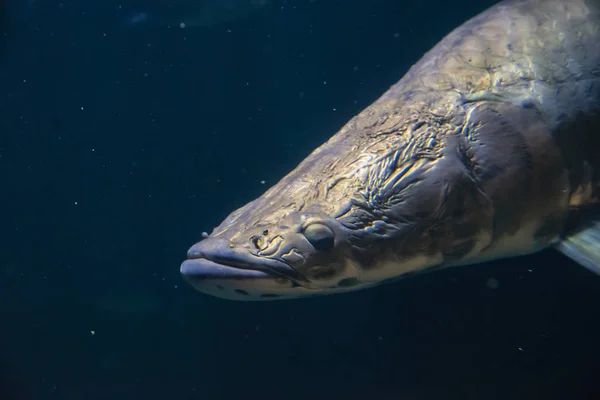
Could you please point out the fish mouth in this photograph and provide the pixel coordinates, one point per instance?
(213, 263)
(203, 268)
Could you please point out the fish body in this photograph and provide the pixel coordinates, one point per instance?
(488, 147)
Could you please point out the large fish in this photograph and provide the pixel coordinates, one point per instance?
(489, 147)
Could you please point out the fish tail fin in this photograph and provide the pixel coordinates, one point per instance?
(583, 246)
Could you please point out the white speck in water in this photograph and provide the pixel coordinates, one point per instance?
(493, 283)
(92, 332)
(521, 349)
(262, 182)
(182, 25)
(75, 203)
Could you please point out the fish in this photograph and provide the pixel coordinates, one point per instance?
(487, 148)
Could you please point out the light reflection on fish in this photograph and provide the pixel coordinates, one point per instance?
(489, 147)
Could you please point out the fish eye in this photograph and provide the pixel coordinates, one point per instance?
(319, 236)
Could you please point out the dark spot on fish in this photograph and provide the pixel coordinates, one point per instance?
(284, 227)
(266, 232)
(220, 287)
(348, 282)
(527, 103)
(322, 271)
(270, 295)
(509, 46)
(240, 291)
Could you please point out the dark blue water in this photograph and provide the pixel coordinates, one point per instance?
(121, 141)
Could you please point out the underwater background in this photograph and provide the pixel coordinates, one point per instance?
(127, 128)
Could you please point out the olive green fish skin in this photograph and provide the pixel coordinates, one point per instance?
(481, 151)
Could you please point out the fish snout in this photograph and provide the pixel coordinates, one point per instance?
(215, 266)
(208, 247)
(217, 256)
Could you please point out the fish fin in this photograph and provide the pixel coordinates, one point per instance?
(583, 246)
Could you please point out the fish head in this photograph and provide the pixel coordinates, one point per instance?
(345, 220)
(272, 250)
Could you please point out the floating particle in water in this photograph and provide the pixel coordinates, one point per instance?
(492, 283)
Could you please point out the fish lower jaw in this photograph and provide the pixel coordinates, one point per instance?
(236, 282)
(240, 284)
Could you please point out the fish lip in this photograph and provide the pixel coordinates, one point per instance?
(236, 266)
(203, 268)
